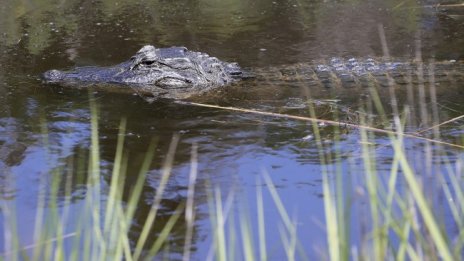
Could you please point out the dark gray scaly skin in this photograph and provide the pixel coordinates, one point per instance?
(351, 73)
(179, 73)
(163, 72)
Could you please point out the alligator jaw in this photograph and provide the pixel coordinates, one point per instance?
(85, 75)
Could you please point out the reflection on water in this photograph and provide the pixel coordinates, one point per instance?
(44, 128)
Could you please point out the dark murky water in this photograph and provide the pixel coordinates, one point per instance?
(234, 148)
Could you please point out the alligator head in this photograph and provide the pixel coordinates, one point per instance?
(155, 69)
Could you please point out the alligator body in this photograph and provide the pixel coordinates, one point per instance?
(177, 72)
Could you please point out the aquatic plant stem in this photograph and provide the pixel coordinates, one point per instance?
(158, 197)
(424, 208)
(261, 222)
(330, 206)
(190, 207)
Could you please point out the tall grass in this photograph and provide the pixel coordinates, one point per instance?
(405, 223)
(97, 229)
(402, 221)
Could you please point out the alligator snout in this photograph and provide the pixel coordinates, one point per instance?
(52, 76)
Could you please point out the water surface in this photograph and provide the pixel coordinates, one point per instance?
(234, 148)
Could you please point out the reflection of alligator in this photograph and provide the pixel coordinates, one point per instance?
(178, 73)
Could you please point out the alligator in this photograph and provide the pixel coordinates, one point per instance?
(174, 72)
(178, 73)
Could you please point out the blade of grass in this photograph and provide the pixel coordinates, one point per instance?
(94, 189)
(404, 242)
(343, 217)
(115, 177)
(137, 189)
(286, 243)
(189, 212)
(261, 221)
(420, 200)
(373, 185)
(247, 237)
(214, 219)
(415, 188)
(283, 213)
(58, 251)
(39, 216)
(231, 247)
(10, 230)
(277, 200)
(117, 233)
(330, 211)
(219, 231)
(167, 166)
(163, 236)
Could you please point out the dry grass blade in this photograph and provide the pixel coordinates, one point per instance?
(441, 124)
(316, 120)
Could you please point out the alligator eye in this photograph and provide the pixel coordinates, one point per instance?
(148, 62)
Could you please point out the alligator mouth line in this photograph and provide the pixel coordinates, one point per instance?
(173, 82)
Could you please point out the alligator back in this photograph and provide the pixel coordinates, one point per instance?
(350, 73)
(345, 80)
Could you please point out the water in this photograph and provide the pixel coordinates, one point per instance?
(234, 148)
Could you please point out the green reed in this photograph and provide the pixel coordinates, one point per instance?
(99, 230)
(402, 223)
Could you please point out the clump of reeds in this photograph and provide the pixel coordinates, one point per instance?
(403, 216)
(99, 227)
